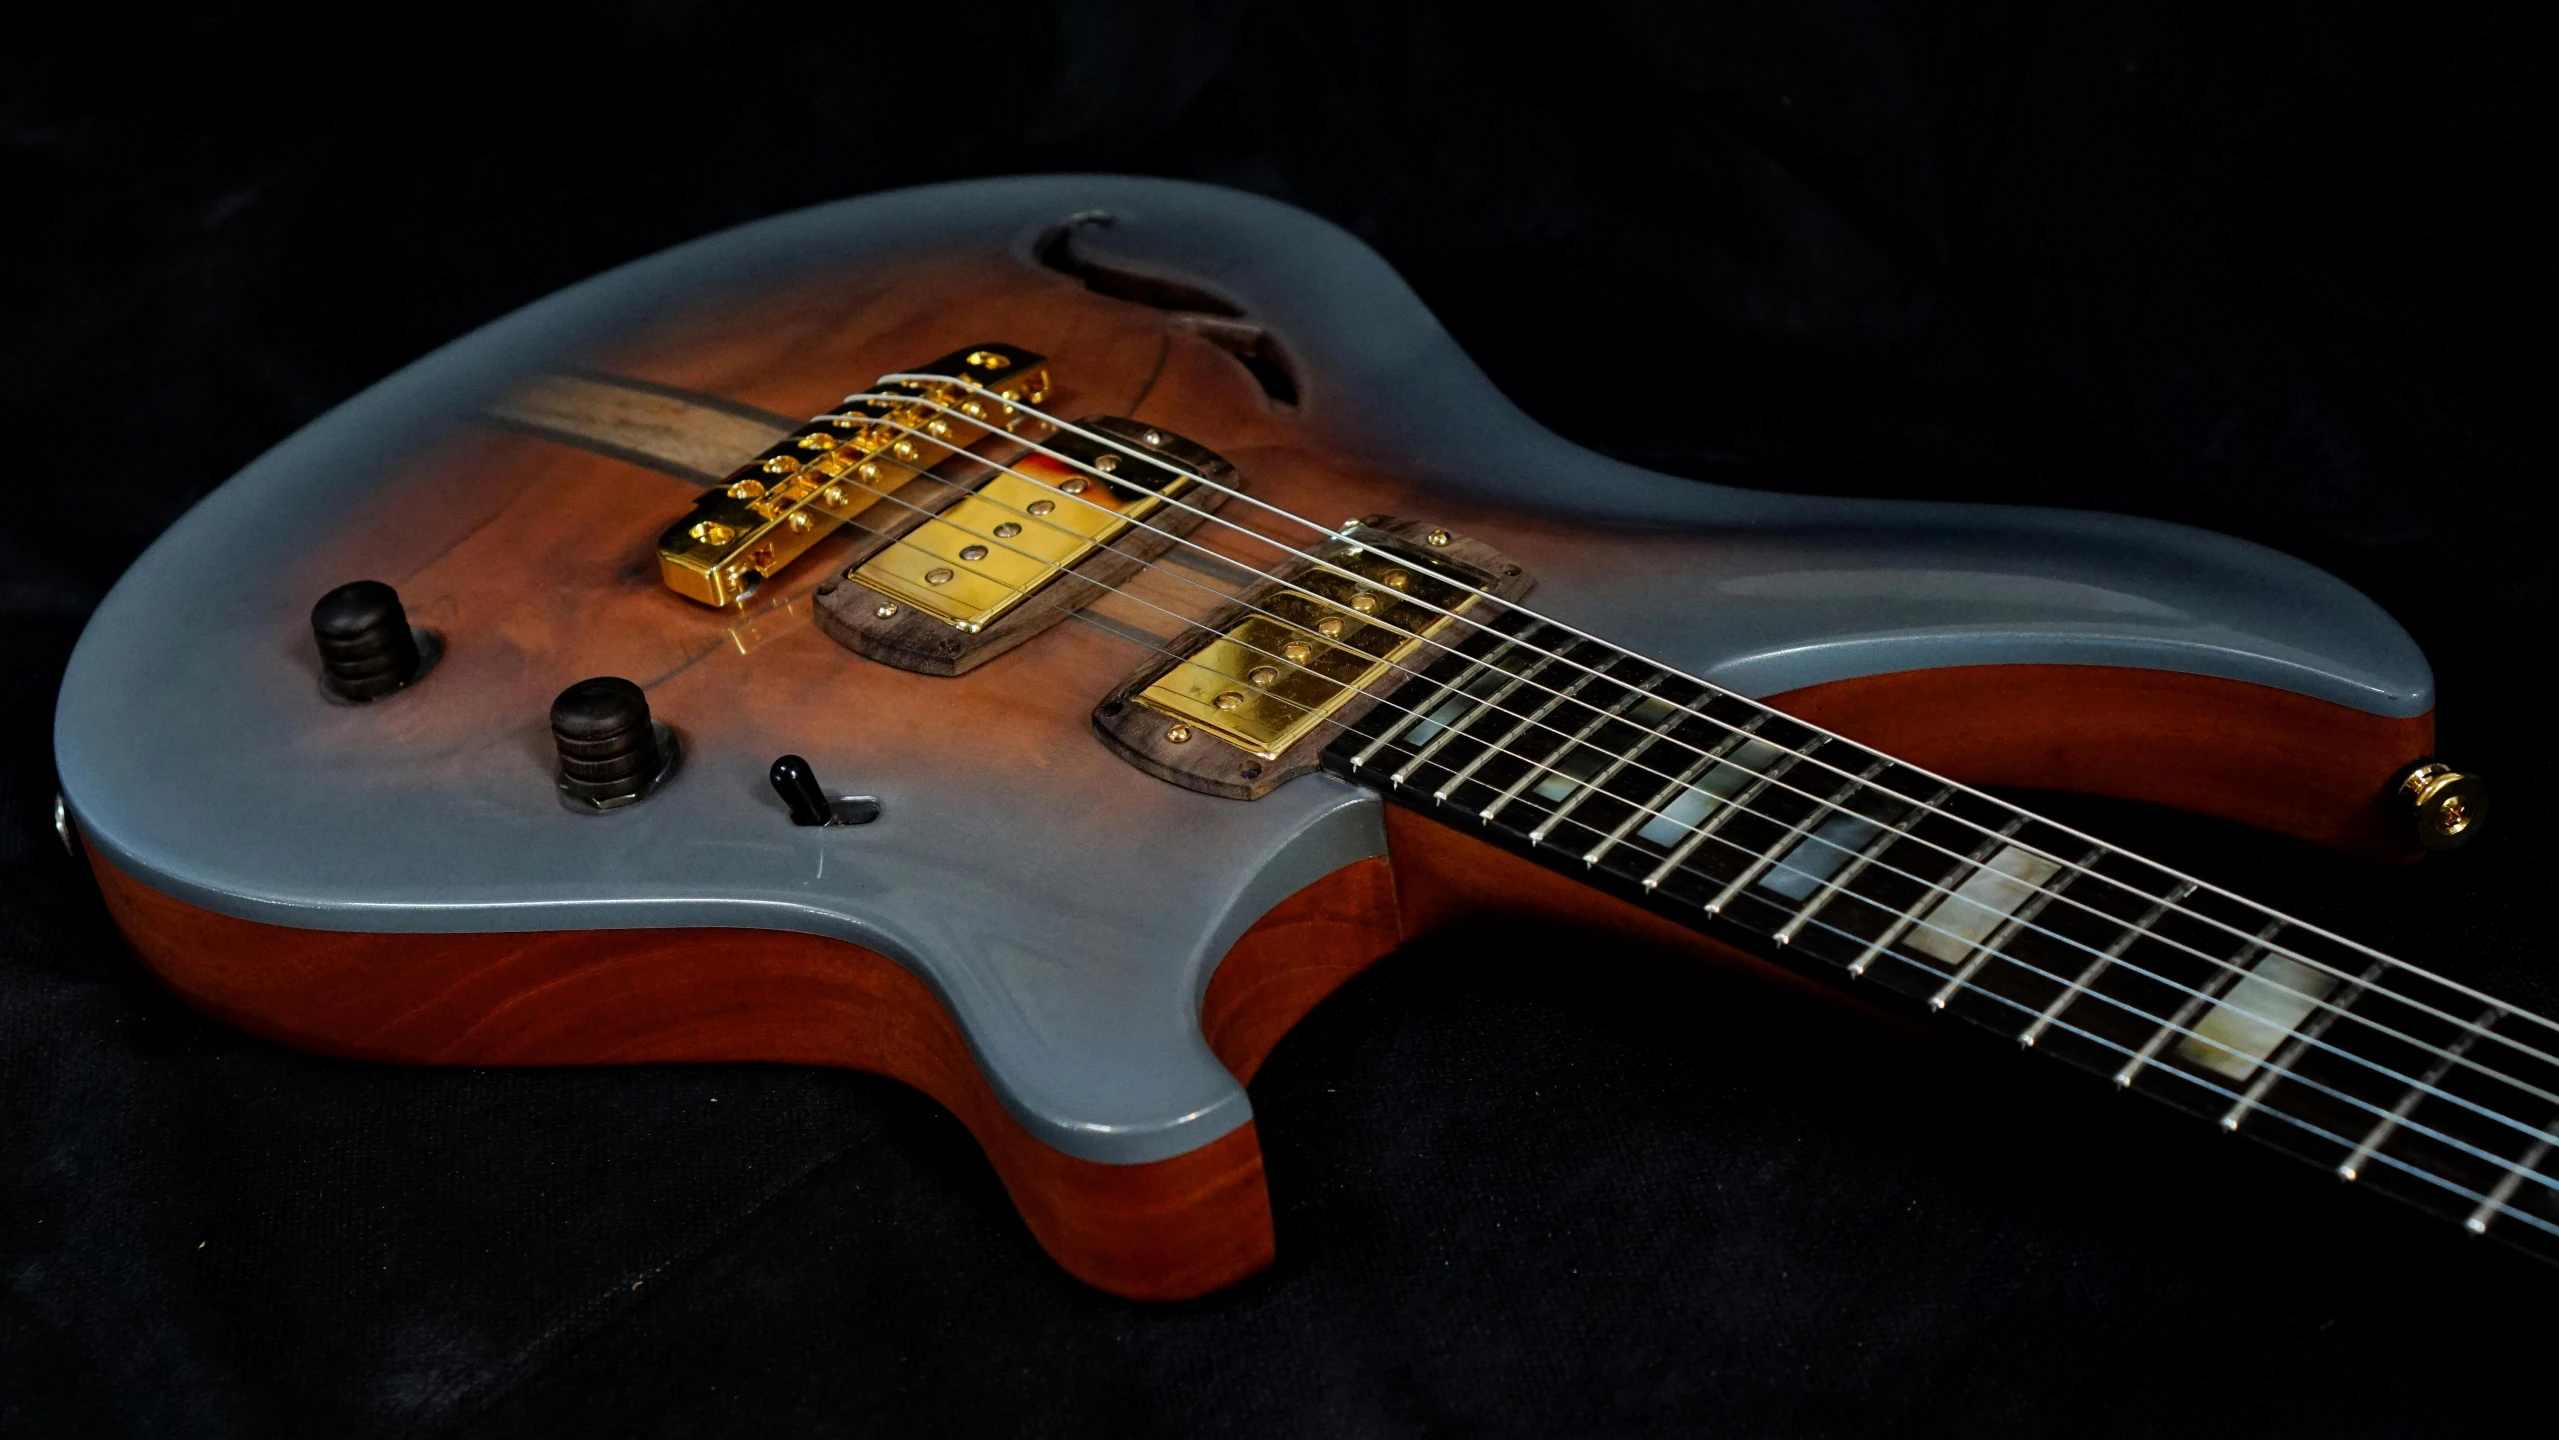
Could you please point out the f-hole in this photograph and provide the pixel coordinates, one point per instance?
(1202, 312)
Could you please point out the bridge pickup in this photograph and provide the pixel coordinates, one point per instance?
(1252, 698)
(840, 464)
(1028, 536)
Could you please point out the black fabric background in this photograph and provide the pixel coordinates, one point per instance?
(2281, 270)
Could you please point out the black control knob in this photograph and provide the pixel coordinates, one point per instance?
(366, 647)
(611, 752)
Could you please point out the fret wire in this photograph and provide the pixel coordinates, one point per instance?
(2202, 995)
(2112, 953)
(1068, 427)
(1746, 731)
(1573, 742)
(1739, 804)
(1598, 783)
(1866, 855)
(1503, 745)
(2293, 1049)
(1989, 948)
(1459, 726)
(1910, 916)
(2320, 966)
(1413, 716)
(2179, 1024)
(1787, 841)
(2503, 1193)
(2389, 1124)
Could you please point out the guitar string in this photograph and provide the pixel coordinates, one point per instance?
(2332, 971)
(2269, 1105)
(2411, 1083)
(2318, 1003)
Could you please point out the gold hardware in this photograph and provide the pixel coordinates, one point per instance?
(886, 609)
(2444, 805)
(998, 580)
(1396, 579)
(1438, 539)
(1179, 734)
(1154, 437)
(777, 505)
(1200, 690)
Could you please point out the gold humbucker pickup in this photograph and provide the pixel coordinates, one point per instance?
(1303, 654)
(1028, 524)
(826, 473)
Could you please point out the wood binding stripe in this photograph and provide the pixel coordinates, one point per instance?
(1167, 1230)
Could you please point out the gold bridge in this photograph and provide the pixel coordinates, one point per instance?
(827, 472)
(1320, 637)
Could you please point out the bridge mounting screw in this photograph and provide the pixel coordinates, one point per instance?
(886, 609)
(1179, 734)
(1438, 539)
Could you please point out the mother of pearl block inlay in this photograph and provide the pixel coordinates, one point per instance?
(2267, 1004)
(1967, 916)
(1720, 784)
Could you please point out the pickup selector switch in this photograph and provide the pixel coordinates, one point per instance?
(612, 752)
(367, 649)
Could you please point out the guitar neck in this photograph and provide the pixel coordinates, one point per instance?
(1805, 848)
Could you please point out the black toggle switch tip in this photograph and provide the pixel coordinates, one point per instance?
(797, 784)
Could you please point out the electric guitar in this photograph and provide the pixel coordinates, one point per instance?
(1036, 638)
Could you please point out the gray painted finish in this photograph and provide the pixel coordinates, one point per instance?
(1079, 993)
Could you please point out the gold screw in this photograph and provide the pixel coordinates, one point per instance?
(937, 426)
(972, 553)
(712, 532)
(1072, 485)
(799, 522)
(1329, 627)
(973, 410)
(1231, 700)
(1438, 538)
(904, 449)
(781, 465)
(1364, 603)
(870, 470)
(1107, 464)
(747, 490)
(1007, 530)
(1041, 507)
(834, 495)
(1264, 676)
(817, 440)
(1297, 652)
(1179, 734)
(988, 360)
(938, 575)
(885, 609)
(1396, 579)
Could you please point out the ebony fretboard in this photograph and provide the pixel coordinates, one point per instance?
(1765, 834)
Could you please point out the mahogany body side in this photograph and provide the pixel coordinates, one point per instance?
(1167, 1230)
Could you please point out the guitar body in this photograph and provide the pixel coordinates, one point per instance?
(1083, 962)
